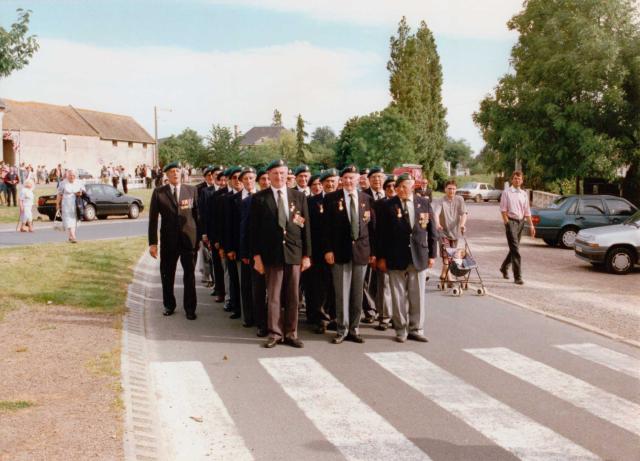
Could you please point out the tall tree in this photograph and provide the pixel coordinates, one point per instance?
(223, 146)
(300, 137)
(571, 108)
(186, 147)
(16, 47)
(416, 90)
(324, 135)
(457, 151)
(277, 118)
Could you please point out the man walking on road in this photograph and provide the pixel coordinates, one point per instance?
(514, 207)
(179, 237)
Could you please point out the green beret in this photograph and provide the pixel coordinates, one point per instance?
(364, 171)
(328, 174)
(208, 169)
(170, 165)
(276, 164)
(261, 171)
(245, 170)
(302, 169)
(225, 173)
(404, 177)
(349, 169)
(312, 179)
(375, 169)
(233, 170)
(216, 168)
(390, 178)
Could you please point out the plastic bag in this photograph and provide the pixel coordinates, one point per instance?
(58, 225)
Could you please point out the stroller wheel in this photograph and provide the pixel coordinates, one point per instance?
(481, 291)
(456, 292)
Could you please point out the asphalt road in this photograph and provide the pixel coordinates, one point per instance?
(495, 382)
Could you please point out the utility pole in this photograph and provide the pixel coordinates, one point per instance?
(155, 130)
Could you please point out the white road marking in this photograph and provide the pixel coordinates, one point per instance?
(607, 406)
(605, 357)
(348, 423)
(193, 419)
(508, 428)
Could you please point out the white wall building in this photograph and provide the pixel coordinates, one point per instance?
(45, 134)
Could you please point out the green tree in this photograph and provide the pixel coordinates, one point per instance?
(16, 47)
(223, 146)
(416, 91)
(458, 152)
(186, 147)
(571, 108)
(324, 135)
(300, 137)
(277, 118)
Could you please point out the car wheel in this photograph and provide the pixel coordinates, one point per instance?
(478, 198)
(134, 211)
(620, 260)
(550, 242)
(568, 237)
(499, 197)
(52, 217)
(89, 213)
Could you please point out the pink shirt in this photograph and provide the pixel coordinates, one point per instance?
(515, 202)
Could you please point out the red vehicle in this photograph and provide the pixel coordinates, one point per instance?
(414, 170)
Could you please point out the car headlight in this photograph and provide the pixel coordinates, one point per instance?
(589, 239)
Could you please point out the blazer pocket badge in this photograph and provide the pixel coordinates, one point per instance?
(366, 216)
(298, 220)
(186, 204)
(399, 213)
(424, 220)
(341, 205)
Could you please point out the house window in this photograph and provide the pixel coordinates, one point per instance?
(144, 145)
(114, 143)
(130, 144)
(64, 144)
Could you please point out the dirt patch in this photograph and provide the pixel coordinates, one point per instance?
(65, 362)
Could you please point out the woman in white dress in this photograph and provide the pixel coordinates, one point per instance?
(26, 206)
(68, 190)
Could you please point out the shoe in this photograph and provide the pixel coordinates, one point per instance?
(235, 316)
(294, 342)
(192, 316)
(271, 342)
(519, 282)
(418, 337)
(332, 326)
(337, 340)
(219, 298)
(247, 325)
(228, 308)
(355, 338)
(320, 330)
(262, 333)
(368, 320)
(400, 339)
(505, 275)
(382, 327)
(168, 311)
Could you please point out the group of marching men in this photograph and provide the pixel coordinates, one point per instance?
(352, 245)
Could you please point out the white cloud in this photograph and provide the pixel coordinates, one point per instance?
(457, 18)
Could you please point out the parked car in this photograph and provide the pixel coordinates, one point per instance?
(104, 201)
(616, 247)
(560, 222)
(479, 191)
(84, 174)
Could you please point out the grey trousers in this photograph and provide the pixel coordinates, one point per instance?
(348, 282)
(227, 295)
(283, 288)
(384, 303)
(409, 297)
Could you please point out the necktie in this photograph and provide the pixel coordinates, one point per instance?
(355, 229)
(175, 193)
(282, 213)
(406, 212)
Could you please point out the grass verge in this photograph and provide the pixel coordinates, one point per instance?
(14, 405)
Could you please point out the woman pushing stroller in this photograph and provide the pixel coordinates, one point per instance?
(451, 219)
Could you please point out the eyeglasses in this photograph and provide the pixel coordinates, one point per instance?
(389, 186)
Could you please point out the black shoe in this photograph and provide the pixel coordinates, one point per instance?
(168, 311)
(505, 274)
(337, 340)
(519, 282)
(262, 333)
(382, 327)
(235, 316)
(417, 337)
(271, 342)
(192, 316)
(332, 325)
(228, 308)
(368, 320)
(355, 338)
(247, 325)
(294, 342)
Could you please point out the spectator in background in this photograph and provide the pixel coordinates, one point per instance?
(11, 183)
(26, 206)
(104, 174)
(425, 191)
(124, 177)
(115, 176)
(4, 169)
(147, 176)
(68, 190)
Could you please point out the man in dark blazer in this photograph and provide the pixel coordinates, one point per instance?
(348, 235)
(179, 237)
(408, 249)
(281, 248)
(228, 234)
(213, 224)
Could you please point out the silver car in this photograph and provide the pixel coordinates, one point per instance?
(616, 247)
(479, 191)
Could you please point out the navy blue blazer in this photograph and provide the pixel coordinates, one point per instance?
(231, 223)
(400, 244)
(245, 223)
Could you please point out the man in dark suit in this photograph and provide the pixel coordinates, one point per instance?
(281, 248)
(425, 191)
(348, 234)
(408, 248)
(228, 241)
(203, 189)
(384, 303)
(179, 237)
(302, 173)
(213, 222)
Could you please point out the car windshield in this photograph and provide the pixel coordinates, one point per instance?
(470, 185)
(557, 203)
(634, 218)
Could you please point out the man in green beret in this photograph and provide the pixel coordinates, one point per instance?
(302, 173)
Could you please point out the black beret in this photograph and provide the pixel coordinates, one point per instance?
(390, 178)
(375, 169)
(313, 178)
(349, 169)
(365, 171)
(328, 174)
(276, 164)
(302, 169)
(170, 165)
(404, 177)
(261, 171)
(245, 170)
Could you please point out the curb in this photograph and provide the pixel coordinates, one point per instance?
(570, 321)
(141, 439)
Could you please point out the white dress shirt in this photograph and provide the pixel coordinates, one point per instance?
(347, 202)
(177, 188)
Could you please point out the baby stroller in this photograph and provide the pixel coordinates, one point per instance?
(461, 264)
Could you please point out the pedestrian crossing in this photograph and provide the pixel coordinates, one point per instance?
(359, 432)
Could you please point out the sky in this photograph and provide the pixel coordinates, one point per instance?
(232, 62)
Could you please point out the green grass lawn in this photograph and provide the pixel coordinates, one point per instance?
(90, 275)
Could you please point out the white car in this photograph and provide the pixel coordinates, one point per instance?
(617, 247)
(479, 191)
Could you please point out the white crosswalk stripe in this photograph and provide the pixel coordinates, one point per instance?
(348, 423)
(605, 357)
(607, 406)
(508, 428)
(193, 419)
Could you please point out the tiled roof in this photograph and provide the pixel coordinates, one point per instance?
(259, 134)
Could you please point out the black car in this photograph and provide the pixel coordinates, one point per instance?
(83, 174)
(104, 201)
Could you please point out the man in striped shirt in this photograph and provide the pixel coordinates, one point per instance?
(514, 207)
